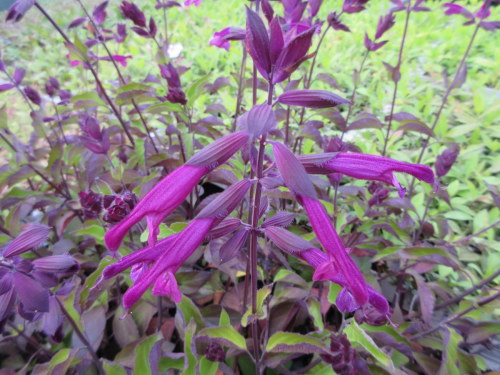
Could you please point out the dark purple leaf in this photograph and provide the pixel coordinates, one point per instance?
(334, 21)
(152, 27)
(233, 246)
(416, 126)
(6, 86)
(365, 123)
(445, 161)
(394, 73)
(277, 41)
(76, 22)
(18, 75)
(280, 219)
(311, 99)
(133, 13)
(259, 120)
(99, 13)
(32, 295)
(490, 25)
(384, 24)
(460, 78)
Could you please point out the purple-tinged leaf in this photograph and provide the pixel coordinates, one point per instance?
(258, 44)
(140, 31)
(6, 87)
(226, 202)
(365, 123)
(459, 78)
(152, 27)
(5, 281)
(225, 227)
(7, 301)
(99, 14)
(370, 45)
(218, 152)
(446, 159)
(258, 121)
(354, 6)
(233, 246)
(416, 126)
(402, 116)
(267, 9)
(33, 236)
(18, 75)
(336, 117)
(31, 293)
(280, 219)
(426, 297)
(452, 8)
(32, 95)
(394, 73)
(311, 99)
(76, 22)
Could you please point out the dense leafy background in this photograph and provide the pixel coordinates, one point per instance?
(415, 274)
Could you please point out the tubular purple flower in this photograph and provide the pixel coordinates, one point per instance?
(325, 269)
(311, 99)
(174, 188)
(31, 237)
(221, 38)
(366, 167)
(297, 181)
(186, 242)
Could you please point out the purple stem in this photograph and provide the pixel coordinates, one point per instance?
(240, 87)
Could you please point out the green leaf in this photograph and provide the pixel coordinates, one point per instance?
(288, 342)
(262, 294)
(165, 232)
(87, 99)
(190, 349)
(141, 364)
(333, 292)
(95, 231)
(190, 312)
(111, 368)
(224, 319)
(208, 367)
(225, 335)
(91, 280)
(314, 309)
(196, 89)
(164, 108)
(356, 334)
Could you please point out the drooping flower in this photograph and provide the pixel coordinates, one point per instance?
(174, 188)
(170, 253)
(325, 269)
(221, 38)
(296, 179)
(366, 167)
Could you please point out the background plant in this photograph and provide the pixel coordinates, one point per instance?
(432, 255)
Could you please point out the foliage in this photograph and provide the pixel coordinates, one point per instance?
(116, 113)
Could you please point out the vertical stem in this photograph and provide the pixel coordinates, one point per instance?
(240, 87)
(398, 66)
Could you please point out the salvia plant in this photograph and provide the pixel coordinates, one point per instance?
(148, 229)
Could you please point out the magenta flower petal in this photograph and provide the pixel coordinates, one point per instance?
(33, 236)
(221, 38)
(174, 188)
(366, 167)
(166, 285)
(186, 242)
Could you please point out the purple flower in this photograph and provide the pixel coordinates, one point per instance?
(33, 95)
(91, 203)
(170, 253)
(296, 179)
(174, 188)
(31, 237)
(221, 38)
(354, 6)
(133, 13)
(297, 246)
(17, 11)
(175, 93)
(196, 3)
(366, 167)
(120, 59)
(311, 99)
(334, 21)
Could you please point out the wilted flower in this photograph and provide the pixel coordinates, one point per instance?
(221, 38)
(17, 11)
